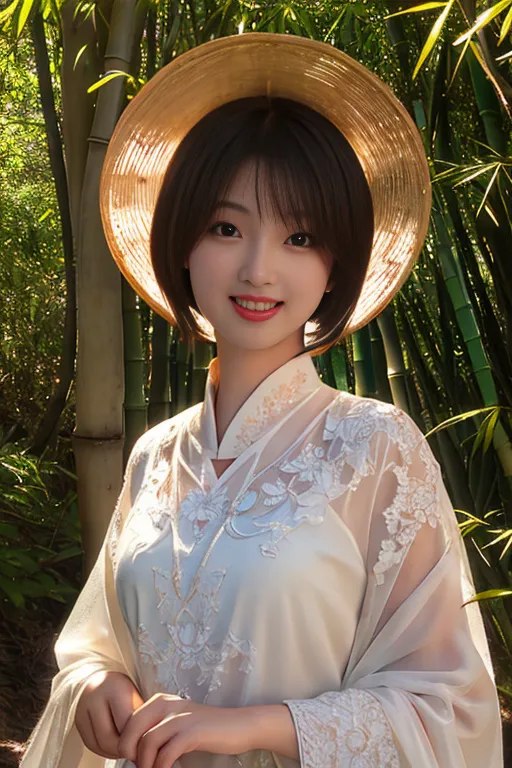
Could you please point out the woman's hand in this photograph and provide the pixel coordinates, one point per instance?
(166, 727)
(105, 706)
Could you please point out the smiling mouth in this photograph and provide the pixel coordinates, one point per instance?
(257, 306)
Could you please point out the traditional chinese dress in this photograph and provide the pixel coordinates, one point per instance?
(324, 569)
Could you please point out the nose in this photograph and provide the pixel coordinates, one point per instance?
(258, 263)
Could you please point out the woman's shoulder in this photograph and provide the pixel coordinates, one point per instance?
(356, 418)
(163, 433)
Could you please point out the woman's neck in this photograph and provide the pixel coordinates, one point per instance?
(242, 370)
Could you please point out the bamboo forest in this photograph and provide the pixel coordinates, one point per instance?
(86, 366)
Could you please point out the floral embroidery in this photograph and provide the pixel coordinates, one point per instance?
(347, 728)
(188, 644)
(154, 503)
(272, 406)
(416, 502)
(314, 477)
(200, 506)
(284, 507)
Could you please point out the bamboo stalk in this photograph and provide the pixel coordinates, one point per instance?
(98, 437)
(179, 395)
(396, 370)
(363, 363)
(66, 368)
(382, 389)
(201, 357)
(135, 407)
(159, 407)
(339, 366)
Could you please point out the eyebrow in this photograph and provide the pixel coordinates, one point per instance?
(241, 208)
(232, 204)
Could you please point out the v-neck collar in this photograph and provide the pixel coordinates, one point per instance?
(269, 403)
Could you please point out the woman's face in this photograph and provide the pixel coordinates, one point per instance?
(257, 282)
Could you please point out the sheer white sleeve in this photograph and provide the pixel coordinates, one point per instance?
(418, 689)
(94, 638)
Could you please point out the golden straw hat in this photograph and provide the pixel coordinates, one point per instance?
(358, 103)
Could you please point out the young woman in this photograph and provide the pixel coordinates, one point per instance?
(282, 580)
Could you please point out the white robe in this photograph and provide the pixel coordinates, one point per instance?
(324, 569)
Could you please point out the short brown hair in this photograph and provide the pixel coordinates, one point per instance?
(310, 166)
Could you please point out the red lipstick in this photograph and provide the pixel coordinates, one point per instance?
(256, 315)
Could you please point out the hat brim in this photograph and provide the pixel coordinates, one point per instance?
(358, 103)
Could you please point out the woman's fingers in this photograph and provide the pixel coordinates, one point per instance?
(124, 706)
(162, 745)
(173, 750)
(84, 727)
(104, 728)
(150, 714)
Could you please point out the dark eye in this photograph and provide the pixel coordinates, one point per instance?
(301, 236)
(227, 227)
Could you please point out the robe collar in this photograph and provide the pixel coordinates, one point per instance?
(271, 401)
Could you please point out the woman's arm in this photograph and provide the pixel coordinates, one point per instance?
(418, 689)
(93, 639)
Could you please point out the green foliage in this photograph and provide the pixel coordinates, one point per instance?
(40, 546)
(31, 266)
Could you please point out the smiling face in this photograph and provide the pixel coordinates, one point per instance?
(308, 177)
(257, 281)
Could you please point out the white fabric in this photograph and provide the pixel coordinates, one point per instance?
(324, 569)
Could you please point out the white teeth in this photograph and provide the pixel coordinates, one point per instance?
(259, 306)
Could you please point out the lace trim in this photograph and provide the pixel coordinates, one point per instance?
(273, 405)
(347, 728)
(416, 503)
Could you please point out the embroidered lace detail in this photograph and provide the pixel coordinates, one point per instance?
(303, 486)
(416, 503)
(272, 406)
(283, 505)
(124, 503)
(347, 728)
(200, 506)
(189, 643)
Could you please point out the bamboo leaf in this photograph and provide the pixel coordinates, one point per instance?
(480, 436)
(335, 24)
(489, 211)
(24, 13)
(416, 9)
(479, 172)
(472, 517)
(489, 187)
(107, 78)
(307, 23)
(45, 214)
(503, 535)
(506, 26)
(460, 417)
(484, 18)
(505, 56)
(486, 147)
(433, 37)
(459, 62)
(479, 58)
(82, 49)
(489, 594)
(489, 432)
(7, 13)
